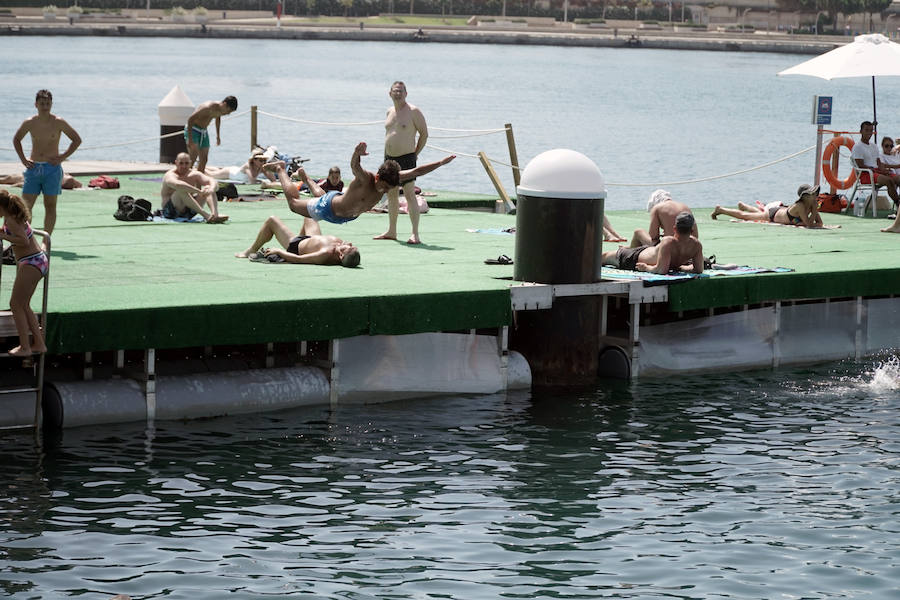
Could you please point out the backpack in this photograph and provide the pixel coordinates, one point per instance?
(832, 203)
(133, 210)
(104, 182)
(225, 192)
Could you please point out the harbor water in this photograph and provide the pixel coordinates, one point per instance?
(750, 486)
(757, 485)
(644, 117)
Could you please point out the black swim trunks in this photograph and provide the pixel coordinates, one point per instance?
(407, 161)
(627, 258)
(294, 245)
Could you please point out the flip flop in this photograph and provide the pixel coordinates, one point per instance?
(500, 260)
(259, 256)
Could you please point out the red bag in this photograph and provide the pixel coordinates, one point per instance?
(832, 203)
(104, 182)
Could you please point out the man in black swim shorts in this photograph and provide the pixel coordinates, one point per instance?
(405, 135)
(309, 247)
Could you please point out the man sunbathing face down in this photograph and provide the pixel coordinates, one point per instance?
(363, 192)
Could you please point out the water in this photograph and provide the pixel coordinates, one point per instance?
(644, 116)
(758, 485)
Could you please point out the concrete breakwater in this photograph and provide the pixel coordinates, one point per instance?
(605, 38)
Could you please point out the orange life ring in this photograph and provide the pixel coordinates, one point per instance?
(831, 176)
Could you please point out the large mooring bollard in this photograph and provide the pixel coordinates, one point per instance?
(559, 235)
(174, 111)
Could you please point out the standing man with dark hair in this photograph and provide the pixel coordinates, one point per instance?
(404, 122)
(43, 170)
(196, 135)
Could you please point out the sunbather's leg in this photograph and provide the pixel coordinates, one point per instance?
(640, 238)
(181, 200)
(310, 227)
(745, 215)
(272, 226)
(895, 226)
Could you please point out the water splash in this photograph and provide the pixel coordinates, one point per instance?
(886, 376)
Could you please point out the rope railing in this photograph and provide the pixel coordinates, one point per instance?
(714, 177)
(142, 140)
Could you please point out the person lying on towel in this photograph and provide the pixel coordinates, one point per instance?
(679, 252)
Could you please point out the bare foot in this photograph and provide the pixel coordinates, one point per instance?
(38, 348)
(745, 206)
(387, 235)
(243, 254)
(19, 351)
(892, 229)
(217, 219)
(413, 240)
(716, 212)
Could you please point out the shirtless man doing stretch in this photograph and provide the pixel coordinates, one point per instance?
(360, 195)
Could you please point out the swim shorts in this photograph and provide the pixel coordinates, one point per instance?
(407, 161)
(43, 177)
(169, 212)
(38, 260)
(320, 209)
(294, 245)
(198, 135)
(627, 258)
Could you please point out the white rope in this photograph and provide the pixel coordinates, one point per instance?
(433, 147)
(702, 179)
(142, 140)
(284, 118)
(447, 137)
(480, 131)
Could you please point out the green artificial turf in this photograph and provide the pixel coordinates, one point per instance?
(117, 285)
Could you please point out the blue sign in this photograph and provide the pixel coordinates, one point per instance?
(822, 110)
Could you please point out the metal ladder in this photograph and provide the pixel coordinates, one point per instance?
(8, 328)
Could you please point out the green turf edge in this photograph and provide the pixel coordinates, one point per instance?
(752, 289)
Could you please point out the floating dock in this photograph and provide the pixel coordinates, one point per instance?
(160, 320)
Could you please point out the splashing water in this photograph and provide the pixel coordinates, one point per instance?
(886, 376)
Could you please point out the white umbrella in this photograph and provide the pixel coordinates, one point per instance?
(871, 55)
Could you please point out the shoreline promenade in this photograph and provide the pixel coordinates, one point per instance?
(615, 34)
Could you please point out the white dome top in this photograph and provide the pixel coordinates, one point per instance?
(562, 173)
(175, 108)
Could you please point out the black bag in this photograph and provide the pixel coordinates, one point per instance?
(134, 210)
(226, 191)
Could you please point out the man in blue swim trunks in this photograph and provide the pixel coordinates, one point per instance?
(196, 135)
(360, 195)
(43, 170)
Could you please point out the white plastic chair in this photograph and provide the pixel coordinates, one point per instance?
(872, 199)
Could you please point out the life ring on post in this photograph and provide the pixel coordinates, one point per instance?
(831, 176)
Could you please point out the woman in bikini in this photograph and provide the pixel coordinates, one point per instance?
(31, 265)
(802, 213)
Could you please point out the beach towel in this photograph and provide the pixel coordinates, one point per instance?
(650, 279)
(162, 219)
(784, 224)
(504, 231)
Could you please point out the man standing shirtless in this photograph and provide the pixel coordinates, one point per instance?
(195, 132)
(43, 171)
(403, 122)
(663, 212)
(185, 191)
(360, 195)
(681, 252)
(309, 247)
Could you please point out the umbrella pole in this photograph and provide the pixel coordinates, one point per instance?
(874, 111)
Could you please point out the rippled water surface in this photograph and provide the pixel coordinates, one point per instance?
(758, 485)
